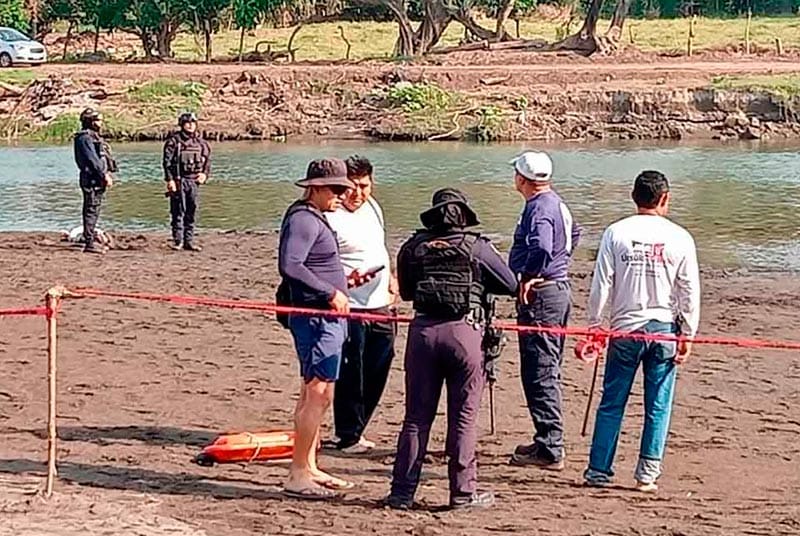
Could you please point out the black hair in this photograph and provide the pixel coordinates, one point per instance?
(648, 188)
(358, 166)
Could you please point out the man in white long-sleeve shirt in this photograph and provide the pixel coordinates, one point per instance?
(647, 272)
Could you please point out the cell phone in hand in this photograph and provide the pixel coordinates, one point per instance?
(373, 271)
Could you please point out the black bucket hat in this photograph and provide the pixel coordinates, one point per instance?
(446, 196)
(325, 172)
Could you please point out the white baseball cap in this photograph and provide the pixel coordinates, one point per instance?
(534, 166)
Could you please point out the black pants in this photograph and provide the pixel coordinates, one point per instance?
(183, 209)
(92, 200)
(440, 353)
(541, 356)
(366, 359)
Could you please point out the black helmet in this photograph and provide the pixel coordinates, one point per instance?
(187, 117)
(88, 116)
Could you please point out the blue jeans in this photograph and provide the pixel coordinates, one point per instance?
(624, 356)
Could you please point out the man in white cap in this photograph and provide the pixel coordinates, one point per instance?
(544, 240)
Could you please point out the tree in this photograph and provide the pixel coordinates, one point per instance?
(614, 32)
(248, 13)
(14, 14)
(155, 22)
(205, 19)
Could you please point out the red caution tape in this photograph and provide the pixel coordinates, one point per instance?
(28, 311)
(358, 315)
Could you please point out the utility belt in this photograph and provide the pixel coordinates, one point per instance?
(475, 317)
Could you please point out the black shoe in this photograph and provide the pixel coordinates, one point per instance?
(177, 246)
(523, 456)
(188, 246)
(479, 499)
(98, 250)
(525, 450)
(398, 503)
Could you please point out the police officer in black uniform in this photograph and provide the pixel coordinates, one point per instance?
(186, 166)
(94, 160)
(448, 272)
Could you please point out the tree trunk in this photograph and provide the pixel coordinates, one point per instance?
(147, 43)
(584, 42)
(68, 38)
(502, 17)
(433, 26)
(404, 46)
(241, 44)
(96, 33)
(463, 16)
(614, 32)
(207, 33)
(164, 37)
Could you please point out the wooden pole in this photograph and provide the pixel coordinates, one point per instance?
(52, 300)
(591, 396)
(690, 42)
(779, 46)
(747, 31)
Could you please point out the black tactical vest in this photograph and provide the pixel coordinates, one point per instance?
(449, 278)
(190, 157)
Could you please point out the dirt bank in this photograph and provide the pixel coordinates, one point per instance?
(470, 97)
(144, 385)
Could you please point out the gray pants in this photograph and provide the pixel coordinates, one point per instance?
(541, 355)
(440, 352)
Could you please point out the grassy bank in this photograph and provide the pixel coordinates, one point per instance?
(787, 86)
(154, 105)
(376, 40)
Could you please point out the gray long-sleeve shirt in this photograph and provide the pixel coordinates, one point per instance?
(308, 257)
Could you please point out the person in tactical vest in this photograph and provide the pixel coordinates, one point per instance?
(187, 163)
(94, 160)
(448, 272)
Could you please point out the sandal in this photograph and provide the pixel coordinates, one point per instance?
(311, 494)
(336, 484)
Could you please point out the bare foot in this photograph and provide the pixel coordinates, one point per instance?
(329, 481)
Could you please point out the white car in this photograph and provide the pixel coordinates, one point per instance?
(16, 47)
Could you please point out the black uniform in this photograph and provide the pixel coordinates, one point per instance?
(447, 272)
(94, 160)
(186, 156)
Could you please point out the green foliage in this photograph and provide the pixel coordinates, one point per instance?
(14, 14)
(489, 124)
(19, 77)
(60, 129)
(185, 95)
(417, 97)
(786, 86)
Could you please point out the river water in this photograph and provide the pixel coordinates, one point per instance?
(740, 201)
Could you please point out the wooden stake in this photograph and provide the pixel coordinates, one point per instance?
(591, 396)
(779, 46)
(690, 42)
(52, 300)
(747, 31)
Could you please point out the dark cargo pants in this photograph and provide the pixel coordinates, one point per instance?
(440, 352)
(541, 356)
(366, 360)
(92, 200)
(183, 208)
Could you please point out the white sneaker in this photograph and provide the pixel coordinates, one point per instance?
(646, 487)
(362, 447)
(366, 442)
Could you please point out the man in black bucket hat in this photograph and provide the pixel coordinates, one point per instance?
(309, 263)
(447, 272)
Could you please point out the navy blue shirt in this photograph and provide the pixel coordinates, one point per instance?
(544, 239)
(308, 258)
(89, 158)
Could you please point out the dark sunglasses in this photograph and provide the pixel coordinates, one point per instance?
(338, 190)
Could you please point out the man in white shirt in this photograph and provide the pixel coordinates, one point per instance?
(369, 349)
(647, 272)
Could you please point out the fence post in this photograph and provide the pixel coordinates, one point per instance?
(52, 301)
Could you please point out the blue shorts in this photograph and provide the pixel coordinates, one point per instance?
(319, 344)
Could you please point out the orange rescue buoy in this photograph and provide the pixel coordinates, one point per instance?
(247, 447)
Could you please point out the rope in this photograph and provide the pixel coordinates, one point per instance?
(252, 305)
